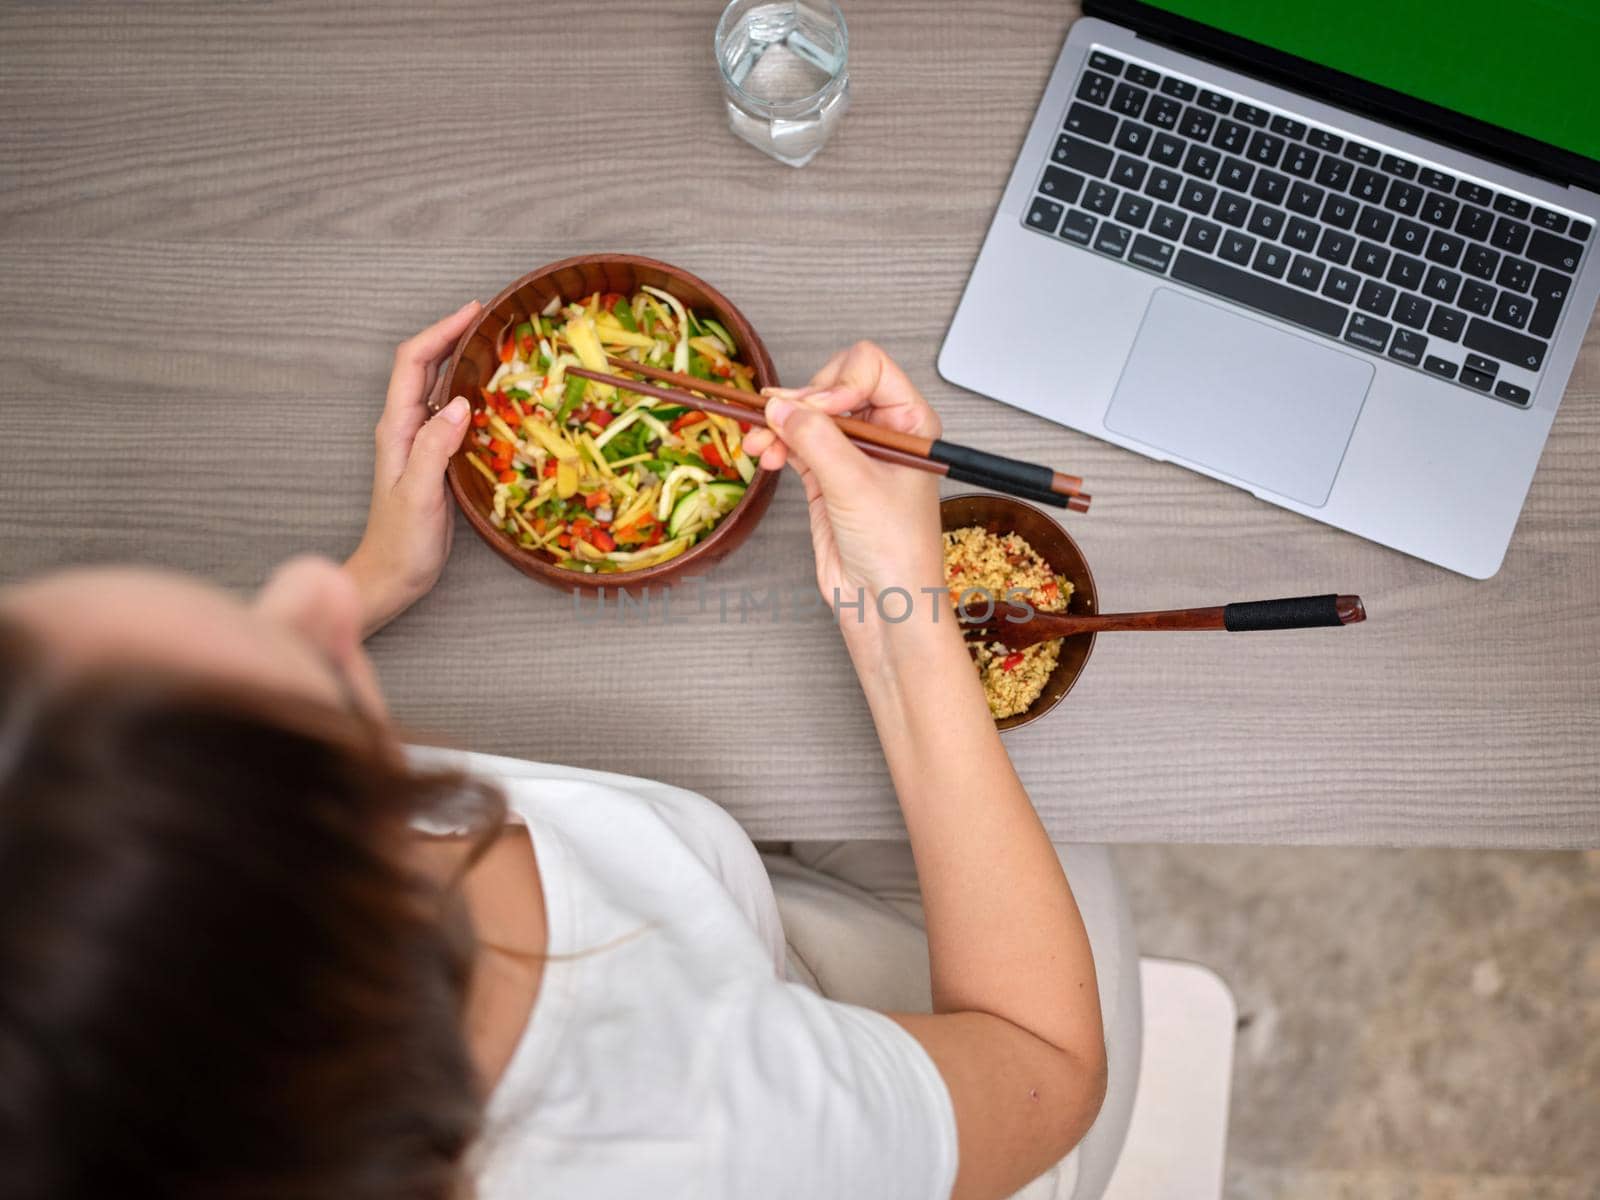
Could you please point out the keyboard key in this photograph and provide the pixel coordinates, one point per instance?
(1265, 148)
(1095, 87)
(1368, 332)
(1479, 363)
(1474, 222)
(1504, 344)
(1266, 221)
(1444, 248)
(1084, 156)
(1065, 186)
(1439, 366)
(1334, 172)
(1129, 171)
(1339, 211)
(1408, 347)
(1276, 299)
(1235, 173)
(1581, 230)
(1411, 311)
(1270, 186)
(1044, 214)
(1342, 285)
(1129, 100)
(1167, 222)
(1374, 223)
(1237, 247)
(1305, 198)
(1511, 236)
(1362, 153)
(1112, 239)
(1368, 186)
(1402, 167)
(1203, 235)
(1474, 193)
(1480, 261)
(1101, 61)
(1436, 181)
(1164, 112)
(1336, 247)
(1250, 114)
(1196, 196)
(1511, 392)
(1100, 198)
(1300, 234)
(1095, 123)
(1143, 76)
(1323, 140)
(1439, 210)
(1515, 273)
(1549, 294)
(1167, 149)
(1375, 298)
(1513, 310)
(1447, 323)
(1305, 272)
(1078, 227)
(1476, 379)
(1147, 252)
(1407, 272)
(1301, 161)
(1180, 88)
(1231, 137)
(1133, 209)
(1197, 123)
(1232, 210)
(1371, 259)
(1441, 285)
(1201, 161)
(1409, 236)
(1549, 250)
(1512, 207)
(1288, 127)
(1271, 260)
(1164, 184)
(1477, 297)
(1134, 137)
(1215, 101)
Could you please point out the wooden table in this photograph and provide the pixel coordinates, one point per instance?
(216, 222)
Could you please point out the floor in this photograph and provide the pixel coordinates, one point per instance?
(1413, 1024)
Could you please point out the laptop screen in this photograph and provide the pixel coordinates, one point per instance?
(1527, 67)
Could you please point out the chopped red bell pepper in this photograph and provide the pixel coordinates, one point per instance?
(713, 459)
(602, 417)
(480, 419)
(596, 499)
(1011, 662)
(509, 476)
(549, 468)
(601, 540)
(687, 419)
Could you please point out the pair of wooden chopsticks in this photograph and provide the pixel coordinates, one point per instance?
(1029, 481)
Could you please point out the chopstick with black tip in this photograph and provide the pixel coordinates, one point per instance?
(1029, 481)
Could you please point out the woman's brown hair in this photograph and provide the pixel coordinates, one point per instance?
(218, 977)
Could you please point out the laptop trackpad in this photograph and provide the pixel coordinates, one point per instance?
(1238, 396)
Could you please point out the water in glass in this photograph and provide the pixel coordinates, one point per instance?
(783, 73)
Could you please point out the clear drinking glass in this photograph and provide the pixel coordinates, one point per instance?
(783, 73)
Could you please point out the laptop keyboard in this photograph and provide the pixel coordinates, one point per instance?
(1355, 242)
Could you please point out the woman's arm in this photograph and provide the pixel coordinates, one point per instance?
(1016, 1031)
(407, 538)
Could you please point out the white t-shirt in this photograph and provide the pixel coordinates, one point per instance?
(667, 1055)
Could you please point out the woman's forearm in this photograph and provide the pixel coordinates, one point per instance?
(1004, 934)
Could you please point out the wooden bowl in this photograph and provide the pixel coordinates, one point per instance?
(1002, 515)
(474, 362)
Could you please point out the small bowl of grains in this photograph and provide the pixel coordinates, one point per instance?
(998, 548)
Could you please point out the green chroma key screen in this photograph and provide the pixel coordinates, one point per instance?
(1529, 66)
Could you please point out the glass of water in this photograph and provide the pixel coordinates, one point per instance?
(783, 74)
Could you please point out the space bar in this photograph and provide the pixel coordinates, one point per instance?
(1275, 299)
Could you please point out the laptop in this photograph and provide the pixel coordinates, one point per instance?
(1341, 256)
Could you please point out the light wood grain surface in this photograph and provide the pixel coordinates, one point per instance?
(217, 220)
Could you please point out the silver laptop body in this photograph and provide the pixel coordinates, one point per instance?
(1354, 426)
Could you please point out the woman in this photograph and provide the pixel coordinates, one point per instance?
(249, 947)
